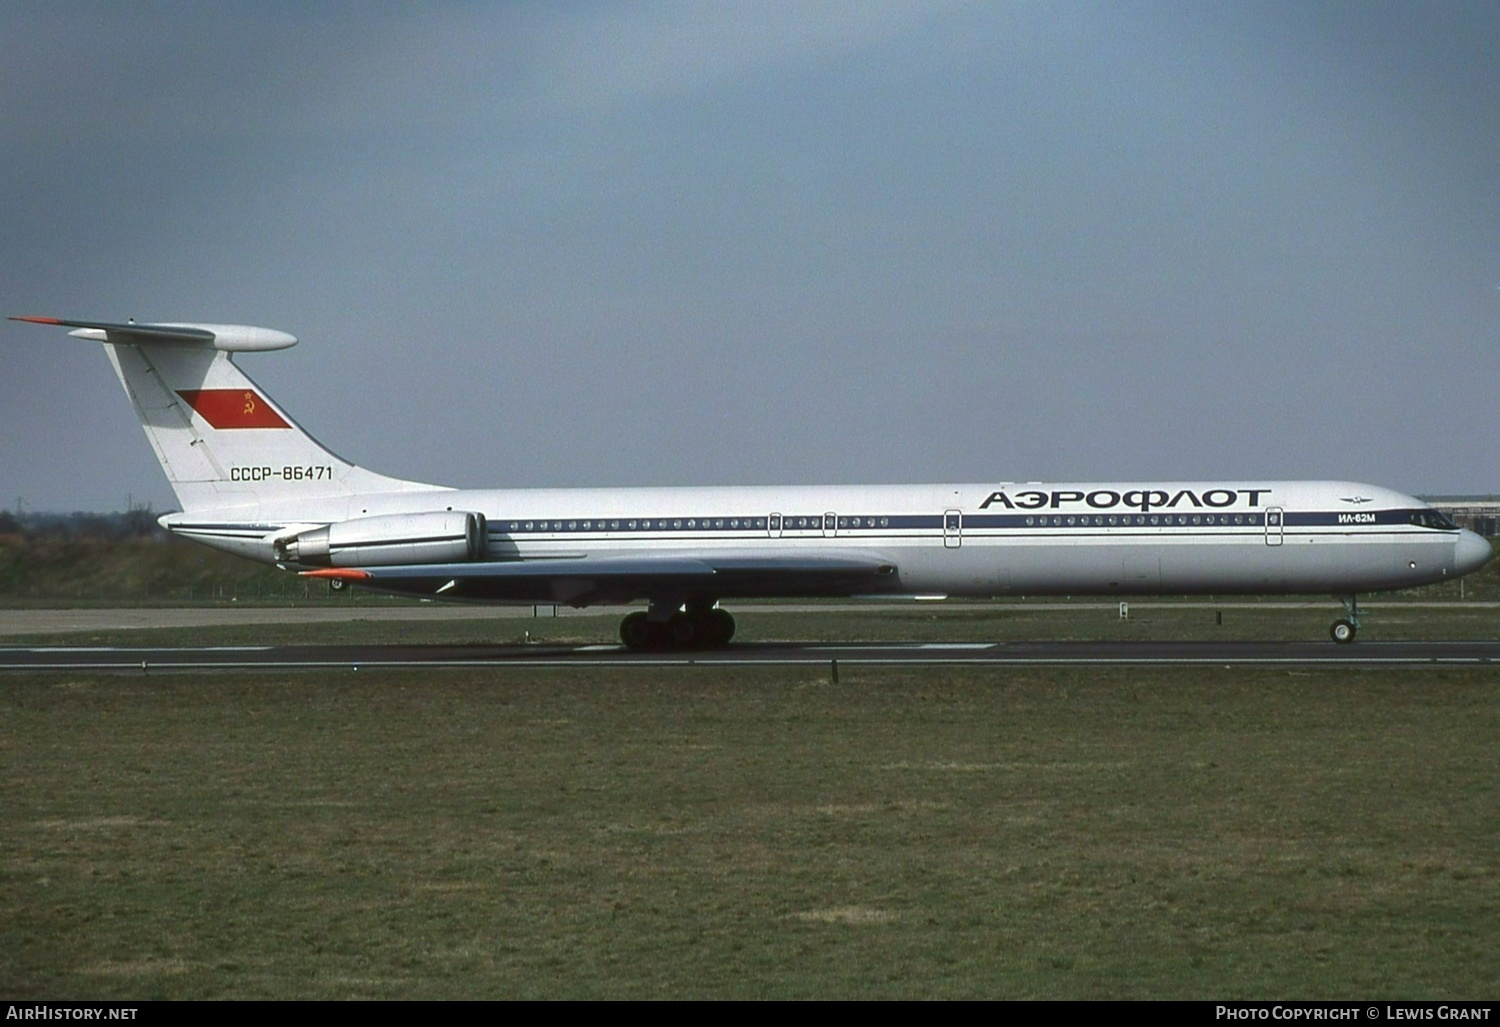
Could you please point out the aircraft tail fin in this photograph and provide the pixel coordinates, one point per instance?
(220, 439)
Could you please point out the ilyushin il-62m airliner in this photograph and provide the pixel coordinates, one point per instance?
(251, 482)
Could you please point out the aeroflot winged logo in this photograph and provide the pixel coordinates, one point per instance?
(1134, 499)
(233, 408)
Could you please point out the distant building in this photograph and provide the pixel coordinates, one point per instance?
(1477, 513)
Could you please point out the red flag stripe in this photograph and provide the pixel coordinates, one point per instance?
(233, 408)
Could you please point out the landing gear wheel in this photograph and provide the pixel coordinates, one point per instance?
(1342, 632)
(639, 633)
(718, 627)
(685, 631)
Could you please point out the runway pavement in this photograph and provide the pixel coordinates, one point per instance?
(20, 622)
(352, 657)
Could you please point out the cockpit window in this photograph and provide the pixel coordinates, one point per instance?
(1432, 519)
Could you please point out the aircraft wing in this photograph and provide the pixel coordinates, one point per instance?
(586, 581)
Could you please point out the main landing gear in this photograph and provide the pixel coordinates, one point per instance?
(691, 628)
(1345, 628)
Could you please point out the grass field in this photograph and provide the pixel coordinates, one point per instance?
(938, 832)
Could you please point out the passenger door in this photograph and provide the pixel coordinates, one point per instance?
(1274, 518)
(953, 529)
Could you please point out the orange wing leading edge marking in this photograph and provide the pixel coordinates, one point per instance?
(233, 408)
(338, 574)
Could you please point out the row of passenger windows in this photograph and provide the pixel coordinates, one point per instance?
(776, 522)
(647, 524)
(1123, 520)
(816, 522)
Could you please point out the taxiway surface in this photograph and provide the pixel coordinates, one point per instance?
(310, 657)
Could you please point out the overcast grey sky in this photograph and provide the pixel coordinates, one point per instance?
(783, 242)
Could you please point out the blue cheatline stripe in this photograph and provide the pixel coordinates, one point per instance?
(222, 533)
(795, 525)
(970, 522)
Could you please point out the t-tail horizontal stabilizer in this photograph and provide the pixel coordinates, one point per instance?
(223, 443)
(229, 338)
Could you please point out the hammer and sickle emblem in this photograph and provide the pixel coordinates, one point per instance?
(249, 403)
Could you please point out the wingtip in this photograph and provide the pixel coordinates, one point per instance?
(39, 320)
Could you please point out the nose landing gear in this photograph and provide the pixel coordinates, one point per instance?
(1344, 629)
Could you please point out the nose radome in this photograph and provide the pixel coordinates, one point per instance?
(1471, 552)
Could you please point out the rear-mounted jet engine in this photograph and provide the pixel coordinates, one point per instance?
(450, 536)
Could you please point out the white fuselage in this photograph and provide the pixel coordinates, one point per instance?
(991, 539)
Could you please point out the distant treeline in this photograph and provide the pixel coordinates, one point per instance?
(126, 557)
(137, 522)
